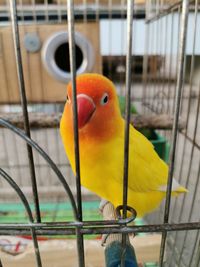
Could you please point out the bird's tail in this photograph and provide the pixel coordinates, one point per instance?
(176, 188)
(179, 190)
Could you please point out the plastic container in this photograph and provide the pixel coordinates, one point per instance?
(161, 146)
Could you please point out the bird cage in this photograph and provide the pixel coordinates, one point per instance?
(150, 50)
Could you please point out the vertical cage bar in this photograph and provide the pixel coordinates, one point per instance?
(169, 87)
(189, 107)
(145, 67)
(197, 261)
(46, 10)
(177, 57)
(192, 210)
(179, 88)
(195, 249)
(161, 38)
(36, 248)
(84, 3)
(59, 11)
(97, 10)
(70, 18)
(151, 80)
(147, 60)
(110, 63)
(121, 79)
(15, 29)
(152, 48)
(127, 117)
(198, 235)
(128, 102)
(163, 57)
(75, 115)
(155, 96)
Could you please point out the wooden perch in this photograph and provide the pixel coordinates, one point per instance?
(37, 120)
(45, 120)
(161, 121)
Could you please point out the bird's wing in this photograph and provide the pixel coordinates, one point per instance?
(147, 172)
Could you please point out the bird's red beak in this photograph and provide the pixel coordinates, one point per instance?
(85, 109)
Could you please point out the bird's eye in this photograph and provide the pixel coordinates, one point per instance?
(68, 99)
(104, 99)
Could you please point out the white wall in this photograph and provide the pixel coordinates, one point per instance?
(113, 36)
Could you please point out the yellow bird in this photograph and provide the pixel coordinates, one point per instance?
(101, 141)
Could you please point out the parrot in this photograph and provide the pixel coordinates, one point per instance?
(101, 148)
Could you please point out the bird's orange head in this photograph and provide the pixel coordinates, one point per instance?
(97, 107)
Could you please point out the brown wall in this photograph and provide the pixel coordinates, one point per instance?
(40, 86)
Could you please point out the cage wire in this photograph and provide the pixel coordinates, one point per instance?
(154, 62)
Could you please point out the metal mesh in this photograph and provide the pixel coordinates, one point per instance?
(155, 64)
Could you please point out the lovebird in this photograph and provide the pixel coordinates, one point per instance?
(101, 145)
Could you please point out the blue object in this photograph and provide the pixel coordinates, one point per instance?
(113, 255)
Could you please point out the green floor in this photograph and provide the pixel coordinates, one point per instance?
(50, 212)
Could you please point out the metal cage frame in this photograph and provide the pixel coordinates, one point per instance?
(79, 227)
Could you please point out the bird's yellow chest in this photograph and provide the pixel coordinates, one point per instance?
(100, 163)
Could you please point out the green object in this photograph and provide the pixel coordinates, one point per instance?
(150, 264)
(122, 105)
(161, 146)
(159, 142)
(147, 133)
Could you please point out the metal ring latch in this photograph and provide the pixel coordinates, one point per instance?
(57, 45)
(119, 210)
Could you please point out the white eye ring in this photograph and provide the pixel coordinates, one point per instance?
(104, 99)
(68, 99)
